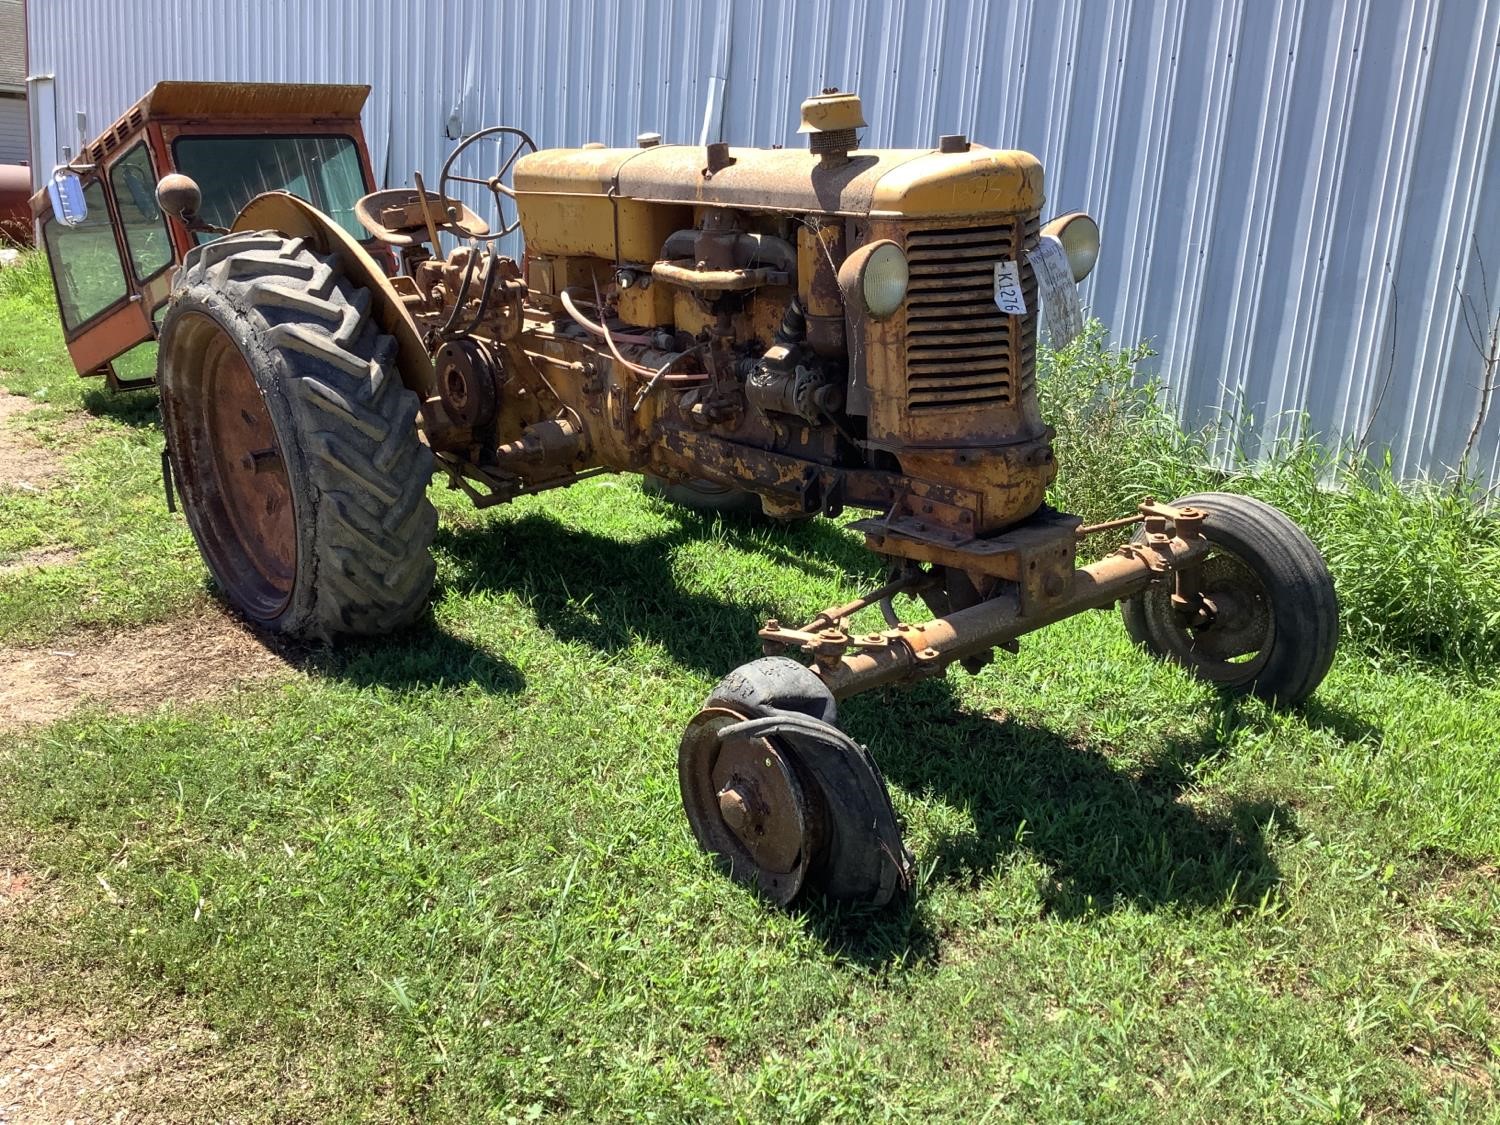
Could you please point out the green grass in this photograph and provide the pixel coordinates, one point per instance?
(448, 877)
(137, 562)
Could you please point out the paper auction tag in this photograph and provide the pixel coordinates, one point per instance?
(1057, 290)
(1008, 293)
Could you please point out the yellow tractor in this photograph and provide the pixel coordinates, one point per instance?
(807, 331)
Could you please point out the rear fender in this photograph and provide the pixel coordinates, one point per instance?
(296, 218)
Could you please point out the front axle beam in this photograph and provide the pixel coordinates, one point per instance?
(850, 664)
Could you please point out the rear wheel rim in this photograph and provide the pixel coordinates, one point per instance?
(237, 467)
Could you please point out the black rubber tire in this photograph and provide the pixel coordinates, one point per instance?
(771, 684)
(1304, 609)
(860, 855)
(345, 424)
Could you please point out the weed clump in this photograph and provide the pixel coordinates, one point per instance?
(1415, 562)
(27, 280)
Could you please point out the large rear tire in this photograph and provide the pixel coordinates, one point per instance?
(1275, 622)
(294, 443)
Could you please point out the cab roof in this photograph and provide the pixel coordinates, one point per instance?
(206, 102)
(209, 103)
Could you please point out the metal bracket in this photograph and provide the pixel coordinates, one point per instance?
(167, 483)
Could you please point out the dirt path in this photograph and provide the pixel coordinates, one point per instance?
(74, 1066)
(24, 465)
(132, 670)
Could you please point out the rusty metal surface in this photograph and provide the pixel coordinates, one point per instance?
(894, 181)
(228, 454)
(107, 337)
(1223, 627)
(850, 663)
(286, 213)
(962, 353)
(787, 801)
(747, 805)
(199, 100)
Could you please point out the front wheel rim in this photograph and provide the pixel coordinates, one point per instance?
(1235, 645)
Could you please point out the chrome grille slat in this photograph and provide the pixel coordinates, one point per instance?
(961, 351)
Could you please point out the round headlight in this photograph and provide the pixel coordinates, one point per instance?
(876, 275)
(1079, 235)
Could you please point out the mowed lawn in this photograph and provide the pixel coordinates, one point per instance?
(447, 876)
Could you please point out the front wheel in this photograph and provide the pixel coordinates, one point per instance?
(1272, 617)
(294, 442)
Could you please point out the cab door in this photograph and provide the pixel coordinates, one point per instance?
(114, 267)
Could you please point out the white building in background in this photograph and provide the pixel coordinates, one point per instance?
(1300, 199)
(14, 148)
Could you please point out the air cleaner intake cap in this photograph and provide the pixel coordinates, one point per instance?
(832, 111)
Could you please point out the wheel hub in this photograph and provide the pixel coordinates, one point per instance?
(1240, 614)
(748, 804)
(761, 802)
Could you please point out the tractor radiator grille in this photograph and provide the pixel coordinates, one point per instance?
(962, 352)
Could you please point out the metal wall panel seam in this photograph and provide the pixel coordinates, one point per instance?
(1158, 135)
(1206, 186)
(1436, 344)
(1022, 35)
(1459, 210)
(1391, 212)
(1236, 235)
(1491, 182)
(1342, 143)
(1236, 383)
(1394, 203)
(1289, 376)
(1366, 416)
(1106, 134)
(1059, 91)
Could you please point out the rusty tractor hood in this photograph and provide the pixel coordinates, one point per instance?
(877, 182)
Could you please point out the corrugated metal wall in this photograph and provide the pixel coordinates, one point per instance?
(1300, 198)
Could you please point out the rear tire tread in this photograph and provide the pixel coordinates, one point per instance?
(364, 469)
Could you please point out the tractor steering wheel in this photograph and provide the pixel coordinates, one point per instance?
(496, 183)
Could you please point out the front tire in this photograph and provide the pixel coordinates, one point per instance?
(294, 442)
(1275, 626)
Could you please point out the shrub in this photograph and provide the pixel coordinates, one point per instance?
(28, 280)
(1417, 564)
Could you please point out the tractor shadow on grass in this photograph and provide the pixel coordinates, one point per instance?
(141, 409)
(422, 656)
(609, 593)
(1109, 836)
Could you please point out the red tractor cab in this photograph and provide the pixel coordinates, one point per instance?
(110, 248)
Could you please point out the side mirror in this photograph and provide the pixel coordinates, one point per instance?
(179, 196)
(65, 192)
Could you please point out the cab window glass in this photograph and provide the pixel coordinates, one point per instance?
(85, 261)
(231, 171)
(136, 364)
(146, 236)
